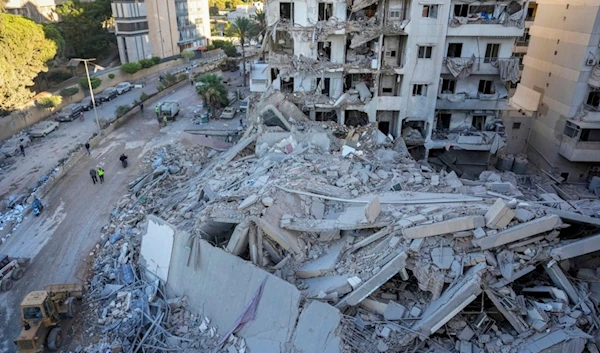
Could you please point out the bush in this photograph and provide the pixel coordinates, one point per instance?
(50, 101)
(96, 82)
(58, 76)
(169, 80)
(111, 76)
(131, 68)
(69, 91)
(146, 63)
(160, 88)
(155, 60)
(181, 77)
(143, 96)
(187, 54)
(122, 110)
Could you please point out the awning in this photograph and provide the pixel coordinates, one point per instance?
(201, 48)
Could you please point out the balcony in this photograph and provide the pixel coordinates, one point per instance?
(483, 102)
(581, 141)
(522, 43)
(463, 67)
(471, 140)
(477, 26)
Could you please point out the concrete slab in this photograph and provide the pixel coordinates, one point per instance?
(449, 226)
(499, 215)
(394, 311)
(374, 306)
(442, 257)
(238, 243)
(372, 210)
(387, 272)
(317, 329)
(324, 264)
(523, 215)
(576, 248)
(522, 231)
(327, 284)
(215, 288)
(157, 247)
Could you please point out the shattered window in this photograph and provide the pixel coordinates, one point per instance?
(419, 90)
(430, 11)
(425, 52)
(448, 86)
(478, 122)
(486, 87)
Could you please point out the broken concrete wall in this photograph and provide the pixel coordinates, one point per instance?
(317, 329)
(224, 284)
(157, 246)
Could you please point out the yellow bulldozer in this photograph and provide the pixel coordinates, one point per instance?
(41, 315)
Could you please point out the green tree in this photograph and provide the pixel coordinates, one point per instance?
(122, 110)
(49, 102)
(213, 91)
(187, 54)
(95, 81)
(83, 24)
(243, 28)
(69, 91)
(54, 35)
(146, 63)
(260, 25)
(155, 60)
(24, 52)
(213, 11)
(227, 47)
(131, 68)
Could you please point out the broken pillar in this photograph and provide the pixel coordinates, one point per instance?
(388, 271)
(577, 248)
(449, 226)
(499, 215)
(521, 231)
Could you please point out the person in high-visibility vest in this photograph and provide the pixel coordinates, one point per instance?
(157, 110)
(101, 174)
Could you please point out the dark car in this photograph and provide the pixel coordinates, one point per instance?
(108, 94)
(86, 103)
(70, 113)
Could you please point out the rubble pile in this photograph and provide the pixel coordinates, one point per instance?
(416, 259)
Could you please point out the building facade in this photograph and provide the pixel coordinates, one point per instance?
(163, 28)
(433, 71)
(245, 11)
(37, 10)
(562, 66)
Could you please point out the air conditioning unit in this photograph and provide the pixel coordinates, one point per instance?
(590, 62)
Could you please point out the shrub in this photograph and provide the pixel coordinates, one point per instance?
(58, 76)
(155, 60)
(143, 96)
(50, 102)
(69, 91)
(146, 63)
(122, 110)
(160, 88)
(187, 54)
(111, 76)
(96, 82)
(131, 68)
(169, 80)
(181, 77)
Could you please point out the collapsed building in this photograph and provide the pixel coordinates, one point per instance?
(435, 73)
(318, 237)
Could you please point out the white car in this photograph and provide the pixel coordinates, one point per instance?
(123, 87)
(11, 146)
(43, 128)
(228, 113)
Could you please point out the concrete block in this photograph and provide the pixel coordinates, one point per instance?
(394, 311)
(479, 233)
(521, 231)
(415, 311)
(577, 248)
(388, 271)
(449, 226)
(417, 219)
(499, 215)
(354, 282)
(324, 264)
(416, 244)
(385, 332)
(465, 347)
(267, 201)
(327, 284)
(248, 201)
(442, 257)
(394, 242)
(466, 334)
(372, 210)
(382, 347)
(523, 215)
(238, 243)
(317, 329)
(501, 187)
(435, 180)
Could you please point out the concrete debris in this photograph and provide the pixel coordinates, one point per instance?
(386, 253)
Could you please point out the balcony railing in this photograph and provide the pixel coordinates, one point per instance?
(522, 43)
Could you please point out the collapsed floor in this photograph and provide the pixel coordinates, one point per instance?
(406, 258)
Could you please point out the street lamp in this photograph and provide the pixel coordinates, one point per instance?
(87, 73)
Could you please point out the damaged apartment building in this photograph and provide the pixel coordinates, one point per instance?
(434, 72)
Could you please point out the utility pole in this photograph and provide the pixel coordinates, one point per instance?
(87, 73)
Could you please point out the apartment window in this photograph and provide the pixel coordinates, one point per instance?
(132, 27)
(461, 10)
(491, 53)
(286, 10)
(516, 126)
(530, 14)
(454, 50)
(486, 87)
(394, 14)
(430, 11)
(425, 52)
(324, 50)
(419, 90)
(387, 90)
(478, 122)
(325, 11)
(593, 99)
(325, 85)
(390, 53)
(448, 86)
(443, 122)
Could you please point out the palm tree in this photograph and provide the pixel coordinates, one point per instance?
(213, 91)
(261, 22)
(242, 28)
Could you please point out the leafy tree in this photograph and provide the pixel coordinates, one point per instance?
(122, 110)
(169, 79)
(111, 76)
(49, 102)
(213, 91)
(243, 28)
(54, 35)
(143, 96)
(83, 24)
(260, 25)
(187, 54)
(131, 68)
(24, 52)
(146, 63)
(95, 81)
(155, 60)
(69, 91)
(213, 11)
(58, 76)
(227, 47)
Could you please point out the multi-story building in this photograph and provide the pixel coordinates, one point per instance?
(37, 10)
(160, 28)
(246, 11)
(562, 65)
(432, 71)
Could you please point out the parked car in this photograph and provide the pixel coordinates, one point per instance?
(108, 94)
(123, 87)
(86, 103)
(43, 128)
(70, 112)
(228, 113)
(11, 146)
